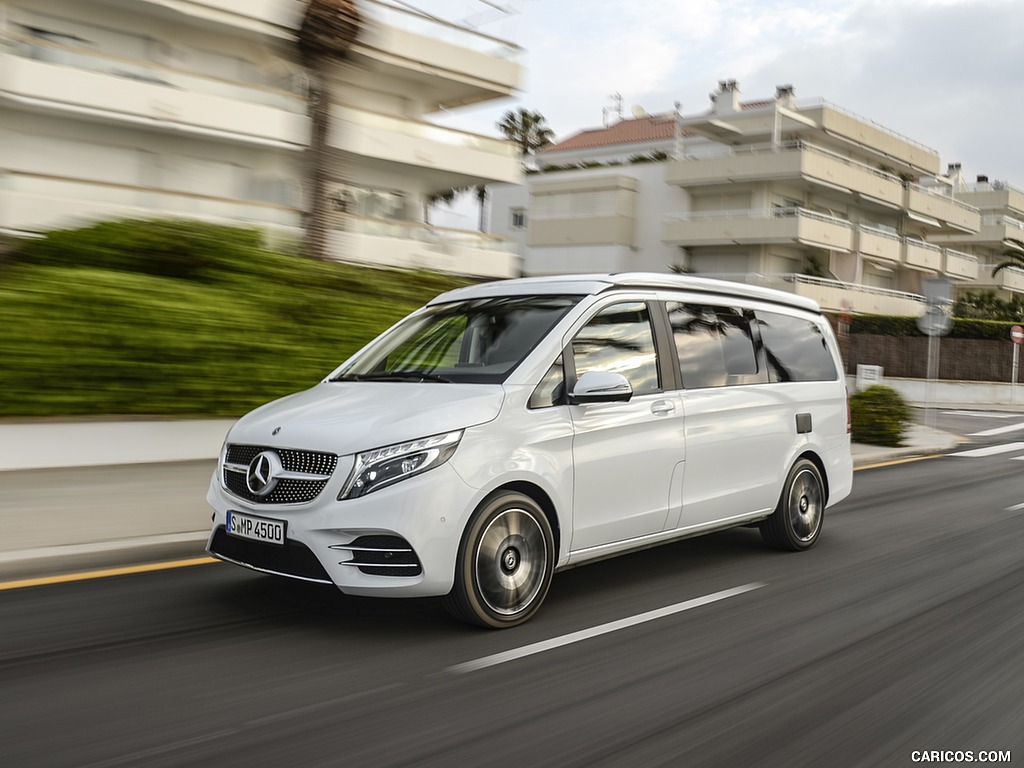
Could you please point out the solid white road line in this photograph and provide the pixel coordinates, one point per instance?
(990, 450)
(603, 629)
(980, 414)
(999, 430)
(1015, 508)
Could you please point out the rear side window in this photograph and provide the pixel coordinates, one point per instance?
(795, 348)
(715, 346)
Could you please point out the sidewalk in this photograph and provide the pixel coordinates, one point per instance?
(92, 494)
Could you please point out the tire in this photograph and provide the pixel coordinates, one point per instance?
(505, 563)
(796, 522)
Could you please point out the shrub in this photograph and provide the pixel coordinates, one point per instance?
(879, 416)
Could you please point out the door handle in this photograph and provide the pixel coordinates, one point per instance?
(663, 406)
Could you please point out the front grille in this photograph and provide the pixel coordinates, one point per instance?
(289, 490)
(381, 555)
(293, 559)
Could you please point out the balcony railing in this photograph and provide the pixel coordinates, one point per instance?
(758, 226)
(959, 264)
(921, 254)
(719, 150)
(833, 294)
(287, 96)
(817, 102)
(442, 237)
(1005, 221)
(427, 131)
(422, 23)
(990, 186)
(965, 207)
(65, 196)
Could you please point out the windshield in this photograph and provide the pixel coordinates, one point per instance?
(477, 341)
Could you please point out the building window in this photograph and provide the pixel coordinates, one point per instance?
(518, 218)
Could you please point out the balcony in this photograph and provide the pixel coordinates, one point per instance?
(922, 255)
(470, 158)
(414, 245)
(940, 211)
(879, 244)
(452, 65)
(36, 203)
(837, 296)
(752, 227)
(992, 196)
(269, 17)
(959, 265)
(1011, 279)
(39, 74)
(793, 160)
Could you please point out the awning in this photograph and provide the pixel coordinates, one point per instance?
(924, 219)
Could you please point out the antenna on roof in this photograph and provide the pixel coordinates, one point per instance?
(617, 109)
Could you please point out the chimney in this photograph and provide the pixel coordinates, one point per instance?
(785, 96)
(955, 175)
(726, 100)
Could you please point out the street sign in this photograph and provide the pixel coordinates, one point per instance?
(1017, 334)
(935, 322)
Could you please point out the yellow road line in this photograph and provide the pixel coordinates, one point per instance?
(894, 462)
(104, 573)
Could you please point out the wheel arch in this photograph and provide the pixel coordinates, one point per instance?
(541, 499)
(815, 459)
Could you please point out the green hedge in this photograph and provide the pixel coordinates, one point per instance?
(885, 325)
(879, 416)
(172, 318)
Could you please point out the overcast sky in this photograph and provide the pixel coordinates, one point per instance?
(946, 73)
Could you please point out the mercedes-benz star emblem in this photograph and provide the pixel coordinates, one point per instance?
(263, 473)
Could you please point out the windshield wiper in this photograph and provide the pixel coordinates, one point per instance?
(394, 376)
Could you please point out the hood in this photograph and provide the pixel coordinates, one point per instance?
(351, 416)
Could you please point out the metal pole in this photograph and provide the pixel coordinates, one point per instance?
(1013, 377)
(933, 373)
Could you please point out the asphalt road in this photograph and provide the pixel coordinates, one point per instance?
(901, 631)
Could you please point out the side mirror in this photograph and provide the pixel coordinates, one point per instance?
(601, 387)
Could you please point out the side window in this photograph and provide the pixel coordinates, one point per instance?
(715, 346)
(795, 348)
(551, 389)
(619, 339)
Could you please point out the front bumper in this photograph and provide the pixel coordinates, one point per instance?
(400, 541)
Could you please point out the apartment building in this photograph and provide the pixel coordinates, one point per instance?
(799, 195)
(1002, 219)
(198, 108)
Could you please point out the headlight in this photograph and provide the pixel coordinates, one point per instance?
(386, 466)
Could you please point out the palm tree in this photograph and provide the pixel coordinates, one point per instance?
(329, 28)
(1013, 255)
(527, 130)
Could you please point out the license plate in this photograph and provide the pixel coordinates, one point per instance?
(256, 528)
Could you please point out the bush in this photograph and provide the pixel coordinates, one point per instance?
(879, 416)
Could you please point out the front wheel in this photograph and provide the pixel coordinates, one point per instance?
(796, 522)
(505, 563)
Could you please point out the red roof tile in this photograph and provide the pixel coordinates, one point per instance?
(632, 131)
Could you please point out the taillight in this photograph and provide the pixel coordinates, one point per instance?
(849, 418)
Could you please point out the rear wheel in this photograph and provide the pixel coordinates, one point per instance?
(505, 563)
(796, 523)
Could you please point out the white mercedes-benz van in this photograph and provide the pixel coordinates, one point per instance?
(511, 429)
